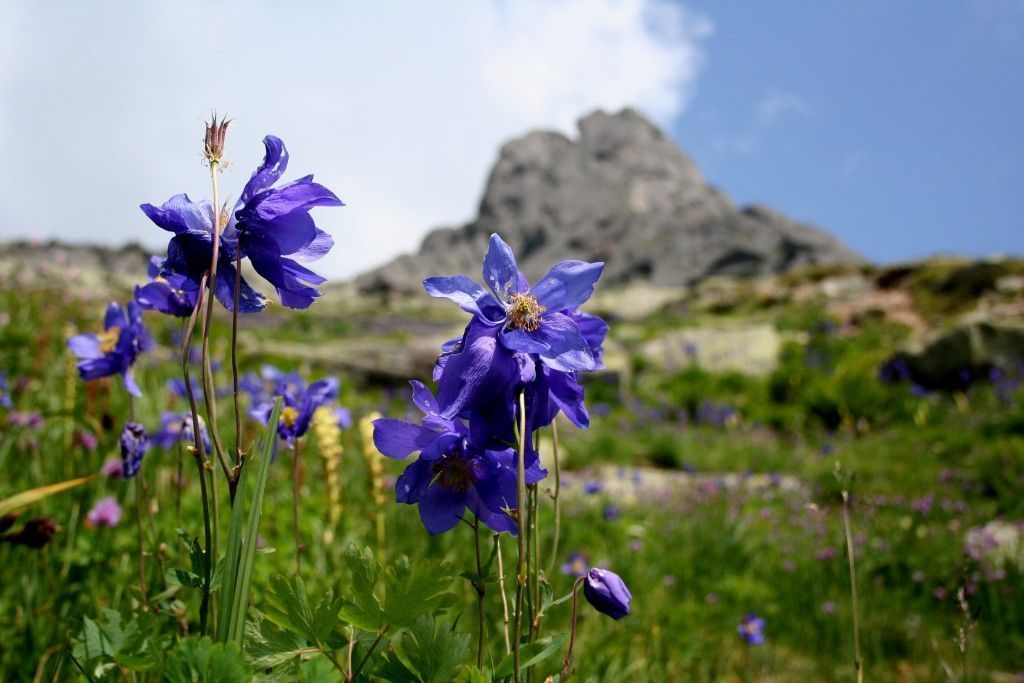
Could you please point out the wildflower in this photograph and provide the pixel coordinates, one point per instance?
(328, 440)
(751, 629)
(510, 317)
(611, 512)
(592, 487)
(607, 593)
(87, 440)
(826, 554)
(273, 228)
(190, 252)
(114, 350)
(177, 427)
(106, 512)
(578, 564)
(452, 472)
(169, 293)
(27, 419)
(828, 607)
(299, 405)
(134, 442)
(111, 467)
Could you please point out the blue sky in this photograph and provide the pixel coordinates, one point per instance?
(899, 126)
(895, 125)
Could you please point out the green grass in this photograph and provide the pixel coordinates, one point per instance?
(697, 558)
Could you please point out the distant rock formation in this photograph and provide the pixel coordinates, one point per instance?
(32, 262)
(622, 193)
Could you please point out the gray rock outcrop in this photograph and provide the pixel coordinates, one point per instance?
(624, 193)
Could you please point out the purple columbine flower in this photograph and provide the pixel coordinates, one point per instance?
(269, 226)
(114, 350)
(106, 512)
(751, 629)
(175, 427)
(299, 405)
(607, 593)
(512, 318)
(171, 293)
(134, 442)
(452, 472)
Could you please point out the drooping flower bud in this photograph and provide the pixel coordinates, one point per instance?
(607, 593)
(214, 140)
(134, 442)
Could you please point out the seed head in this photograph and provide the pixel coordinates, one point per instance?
(214, 140)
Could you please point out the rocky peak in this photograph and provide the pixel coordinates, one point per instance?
(621, 192)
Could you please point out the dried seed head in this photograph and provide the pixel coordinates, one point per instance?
(214, 140)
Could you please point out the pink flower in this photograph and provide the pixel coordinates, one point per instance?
(106, 512)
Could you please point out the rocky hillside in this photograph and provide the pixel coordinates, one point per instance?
(622, 192)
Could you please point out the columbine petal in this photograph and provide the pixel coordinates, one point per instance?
(440, 509)
(249, 300)
(399, 439)
(480, 368)
(500, 271)
(567, 350)
(316, 249)
(114, 317)
(275, 161)
(423, 398)
(180, 214)
(467, 295)
(567, 285)
(298, 195)
(85, 346)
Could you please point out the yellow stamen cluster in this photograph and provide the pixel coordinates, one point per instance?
(375, 468)
(109, 339)
(324, 425)
(524, 312)
(288, 416)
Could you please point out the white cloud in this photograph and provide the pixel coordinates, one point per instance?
(399, 107)
(777, 106)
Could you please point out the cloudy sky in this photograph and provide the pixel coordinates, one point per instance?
(896, 126)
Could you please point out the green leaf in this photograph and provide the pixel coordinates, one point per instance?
(429, 652)
(531, 654)
(200, 660)
(242, 533)
(267, 646)
(414, 590)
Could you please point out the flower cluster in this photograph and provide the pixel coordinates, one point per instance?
(522, 340)
(300, 401)
(270, 226)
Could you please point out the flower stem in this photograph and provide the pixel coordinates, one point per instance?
(142, 551)
(208, 389)
(858, 662)
(197, 450)
(480, 591)
(295, 506)
(520, 522)
(352, 674)
(572, 628)
(234, 366)
(501, 588)
(555, 496)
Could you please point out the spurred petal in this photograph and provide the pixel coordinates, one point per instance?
(316, 249)
(500, 271)
(275, 161)
(114, 317)
(180, 214)
(423, 399)
(567, 285)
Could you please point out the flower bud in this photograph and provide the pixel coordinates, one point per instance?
(607, 593)
(134, 442)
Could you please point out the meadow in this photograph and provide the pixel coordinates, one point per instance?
(714, 495)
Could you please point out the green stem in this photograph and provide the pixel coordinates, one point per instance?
(501, 588)
(142, 551)
(295, 506)
(208, 388)
(481, 589)
(197, 450)
(555, 496)
(572, 629)
(234, 367)
(858, 662)
(521, 531)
